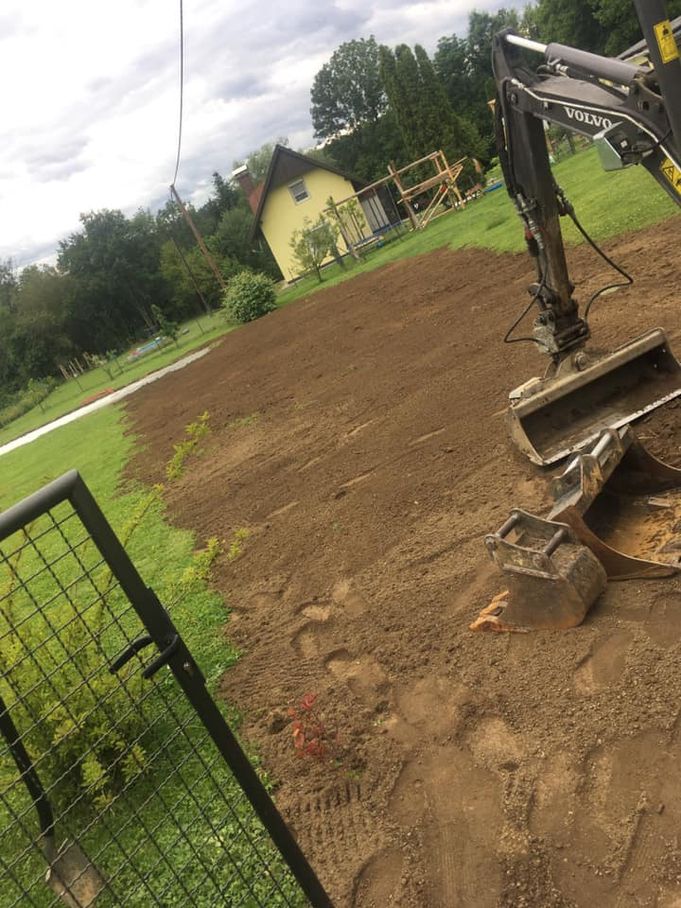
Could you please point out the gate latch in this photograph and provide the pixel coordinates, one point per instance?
(139, 644)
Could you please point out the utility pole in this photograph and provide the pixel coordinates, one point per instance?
(199, 239)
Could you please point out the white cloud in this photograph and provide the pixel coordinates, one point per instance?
(90, 95)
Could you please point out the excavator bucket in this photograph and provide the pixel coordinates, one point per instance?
(616, 516)
(552, 578)
(625, 505)
(550, 419)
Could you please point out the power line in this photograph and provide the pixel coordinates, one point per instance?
(179, 131)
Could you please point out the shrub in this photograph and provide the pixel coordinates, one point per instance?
(249, 295)
(85, 725)
(75, 741)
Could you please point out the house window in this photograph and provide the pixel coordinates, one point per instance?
(299, 191)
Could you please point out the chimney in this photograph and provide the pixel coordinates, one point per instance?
(245, 180)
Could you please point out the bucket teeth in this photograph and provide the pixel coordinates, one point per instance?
(491, 618)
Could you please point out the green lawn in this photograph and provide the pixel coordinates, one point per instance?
(70, 395)
(98, 446)
(606, 204)
(164, 772)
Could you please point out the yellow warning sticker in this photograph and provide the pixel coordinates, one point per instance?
(666, 41)
(673, 174)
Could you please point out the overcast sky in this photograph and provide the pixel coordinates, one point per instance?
(91, 90)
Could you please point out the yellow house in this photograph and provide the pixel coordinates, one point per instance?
(296, 190)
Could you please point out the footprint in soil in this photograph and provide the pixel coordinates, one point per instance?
(457, 794)
(315, 636)
(264, 601)
(555, 794)
(350, 601)
(316, 611)
(604, 665)
(320, 633)
(337, 827)
(364, 676)
(311, 640)
(380, 880)
(461, 805)
(619, 809)
(431, 708)
(494, 745)
(247, 609)
(663, 622)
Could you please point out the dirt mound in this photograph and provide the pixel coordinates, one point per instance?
(359, 436)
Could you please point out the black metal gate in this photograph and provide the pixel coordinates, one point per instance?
(120, 781)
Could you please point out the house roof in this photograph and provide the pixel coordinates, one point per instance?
(285, 166)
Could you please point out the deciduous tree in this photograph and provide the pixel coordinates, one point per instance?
(313, 244)
(464, 66)
(347, 92)
(259, 160)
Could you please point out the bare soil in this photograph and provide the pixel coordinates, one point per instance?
(359, 435)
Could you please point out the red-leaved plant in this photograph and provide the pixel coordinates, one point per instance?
(311, 736)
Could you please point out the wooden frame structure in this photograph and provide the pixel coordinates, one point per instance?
(353, 223)
(444, 182)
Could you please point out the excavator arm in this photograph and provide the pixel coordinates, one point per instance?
(633, 114)
(616, 507)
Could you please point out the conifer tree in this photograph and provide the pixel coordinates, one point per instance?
(421, 107)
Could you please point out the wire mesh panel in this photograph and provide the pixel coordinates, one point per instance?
(120, 782)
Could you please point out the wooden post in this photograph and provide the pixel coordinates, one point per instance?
(199, 239)
(452, 187)
(357, 223)
(430, 209)
(74, 373)
(400, 188)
